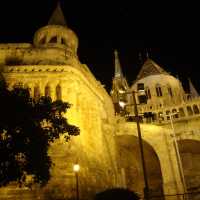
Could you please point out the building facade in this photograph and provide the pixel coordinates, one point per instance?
(107, 148)
(50, 67)
(169, 122)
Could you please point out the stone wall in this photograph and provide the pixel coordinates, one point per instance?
(92, 112)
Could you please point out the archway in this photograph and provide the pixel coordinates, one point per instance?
(190, 156)
(130, 161)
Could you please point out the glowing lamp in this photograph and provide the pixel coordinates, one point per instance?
(76, 167)
(122, 104)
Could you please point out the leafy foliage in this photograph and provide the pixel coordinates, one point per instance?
(27, 128)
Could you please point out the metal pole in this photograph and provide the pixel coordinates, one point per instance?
(180, 166)
(77, 186)
(146, 188)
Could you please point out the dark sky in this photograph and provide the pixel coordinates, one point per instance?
(168, 31)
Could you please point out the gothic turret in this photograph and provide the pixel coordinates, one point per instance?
(118, 71)
(119, 85)
(56, 34)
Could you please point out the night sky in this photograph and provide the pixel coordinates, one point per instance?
(167, 31)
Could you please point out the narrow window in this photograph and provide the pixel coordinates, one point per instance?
(195, 109)
(181, 112)
(53, 39)
(189, 110)
(58, 92)
(175, 113)
(170, 91)
(168, 114)
(43, 40)
(28, 88)
(148, 93)
(47, 91)
(63, 41)
(158, 91)
(36, 92)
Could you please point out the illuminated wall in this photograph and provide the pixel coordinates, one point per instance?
(92, 111)
(107, 148)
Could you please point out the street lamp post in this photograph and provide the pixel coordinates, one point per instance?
(146, 186)
(180, 166)
(76, 169)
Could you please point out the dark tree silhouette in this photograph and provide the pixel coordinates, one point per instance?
(27, 128)
(117, 194)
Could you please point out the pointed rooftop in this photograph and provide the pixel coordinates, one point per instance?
(118, 70)
(193, 91)
(119, 84)
(57, 18)
(150, 68)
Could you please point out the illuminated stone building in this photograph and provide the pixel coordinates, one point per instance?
(50, 66)
(169, 117)
(107, 148)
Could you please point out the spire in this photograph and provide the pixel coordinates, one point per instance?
(140, 58)
(118, 71)
(147, 54)
(193, 91)
(57, 18)
(119, 84)
(150, 68)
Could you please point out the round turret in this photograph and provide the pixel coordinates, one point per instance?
(56, 36)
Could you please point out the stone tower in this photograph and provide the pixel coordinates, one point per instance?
(50, 66)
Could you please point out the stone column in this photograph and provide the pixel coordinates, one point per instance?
(172, 184)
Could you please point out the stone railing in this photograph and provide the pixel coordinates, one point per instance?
(187, 110)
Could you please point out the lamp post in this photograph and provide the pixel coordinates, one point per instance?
(180, 166)
(146, 186)
(76, 169)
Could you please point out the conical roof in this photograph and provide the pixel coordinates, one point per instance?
(150, 68)
(57, 18)
(118, 71)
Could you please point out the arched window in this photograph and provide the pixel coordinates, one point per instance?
(189, 110)
(158, 91)
(63, 41)
(195, 109)
(36, 92)
(43, 40)
(53, 39)
(58, 92)
(175, 113)
(26, 86)
(170, 91)
(47, 91)
(148, 93)
(181, 112)
(167, 114)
